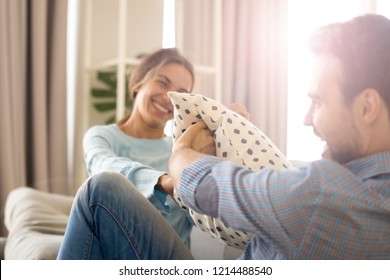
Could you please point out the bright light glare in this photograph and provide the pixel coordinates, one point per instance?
(304, 17)
(169, 24)
(383, 7)
(169, 40)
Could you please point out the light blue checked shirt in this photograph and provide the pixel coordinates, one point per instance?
(322, 210)
(142, 162)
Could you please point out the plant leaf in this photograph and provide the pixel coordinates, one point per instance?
(111, 119)
(102, 107)
(109, 78)
(103, 93)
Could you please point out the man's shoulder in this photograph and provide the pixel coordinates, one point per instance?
(354, 173)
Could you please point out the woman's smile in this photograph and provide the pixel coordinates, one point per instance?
(161, 108)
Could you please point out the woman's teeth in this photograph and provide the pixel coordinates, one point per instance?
(161, 108)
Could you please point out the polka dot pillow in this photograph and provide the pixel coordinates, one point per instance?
(237, 140)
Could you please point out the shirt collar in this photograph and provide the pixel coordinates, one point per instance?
(370, 166)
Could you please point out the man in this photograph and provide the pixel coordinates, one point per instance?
(334, 208)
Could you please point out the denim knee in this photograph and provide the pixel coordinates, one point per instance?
(107, 184)
(106, 180)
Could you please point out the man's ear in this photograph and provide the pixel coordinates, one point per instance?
(369, 105)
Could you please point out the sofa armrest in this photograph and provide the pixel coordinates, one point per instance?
(36, 222)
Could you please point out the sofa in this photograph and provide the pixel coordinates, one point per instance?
(36, 222)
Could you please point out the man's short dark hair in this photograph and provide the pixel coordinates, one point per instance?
(362, 45)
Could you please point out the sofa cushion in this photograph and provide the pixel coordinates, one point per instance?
(237, 140)
(36, 222)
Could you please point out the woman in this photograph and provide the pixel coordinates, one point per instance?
(128, 162)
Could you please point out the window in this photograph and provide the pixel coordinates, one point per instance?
(169, 37)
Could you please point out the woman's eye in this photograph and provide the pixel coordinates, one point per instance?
(162, 84)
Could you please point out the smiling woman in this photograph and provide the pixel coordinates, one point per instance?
(152, 107)
(136, 146)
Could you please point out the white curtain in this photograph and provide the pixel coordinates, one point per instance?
(253, 53)
(254, 70)
(33, 96)
(196, 39)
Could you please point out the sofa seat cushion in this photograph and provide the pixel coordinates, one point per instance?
(36, 222)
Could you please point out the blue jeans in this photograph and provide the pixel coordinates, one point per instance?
(111, 219)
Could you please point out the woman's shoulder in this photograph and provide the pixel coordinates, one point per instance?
(103, 128)
(102, 131)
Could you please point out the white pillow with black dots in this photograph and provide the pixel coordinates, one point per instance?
(237, 140)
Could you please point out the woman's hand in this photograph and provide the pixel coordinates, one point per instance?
(239, 109)
(165, 184)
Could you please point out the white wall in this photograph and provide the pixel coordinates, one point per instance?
(144, 24)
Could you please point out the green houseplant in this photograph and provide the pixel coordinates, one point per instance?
(104, 98)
